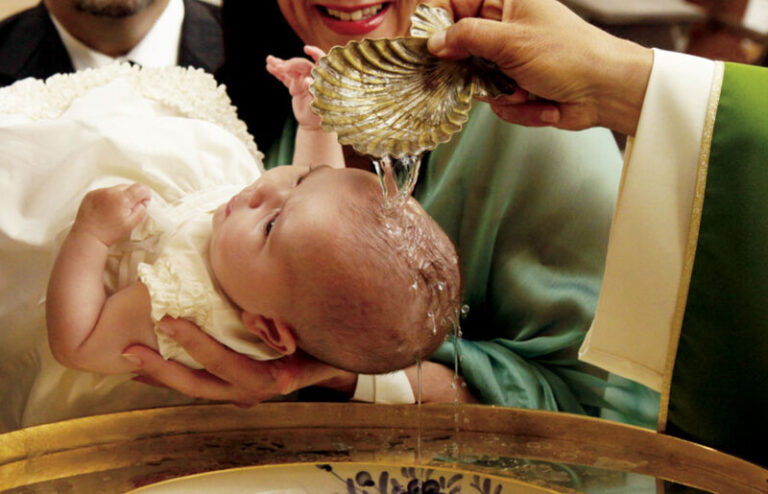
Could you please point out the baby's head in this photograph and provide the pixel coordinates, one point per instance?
(315, 262)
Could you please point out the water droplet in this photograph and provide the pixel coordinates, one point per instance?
(434, 324)
(464, 311)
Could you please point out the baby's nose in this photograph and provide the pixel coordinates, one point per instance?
(267, 193)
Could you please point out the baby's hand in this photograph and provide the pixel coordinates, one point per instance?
(110, 214)
(295, 73)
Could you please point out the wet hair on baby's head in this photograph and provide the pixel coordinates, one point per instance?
(390, 293)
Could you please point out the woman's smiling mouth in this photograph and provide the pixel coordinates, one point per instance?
(364, 13)
(350, 21)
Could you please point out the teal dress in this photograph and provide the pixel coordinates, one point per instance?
(529, 210)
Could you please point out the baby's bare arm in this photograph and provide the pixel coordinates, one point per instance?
(313, 145)
(87, 330)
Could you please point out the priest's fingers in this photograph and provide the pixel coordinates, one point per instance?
(489, 9)
(529, 114)
(519, 96)
(596, 78)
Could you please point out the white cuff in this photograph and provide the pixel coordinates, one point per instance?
(644, 264)
(392, 389)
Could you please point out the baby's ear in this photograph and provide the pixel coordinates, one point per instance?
(273, 332)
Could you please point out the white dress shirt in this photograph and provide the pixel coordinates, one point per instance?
(158, 48)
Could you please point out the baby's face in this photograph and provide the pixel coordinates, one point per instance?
(276, 233)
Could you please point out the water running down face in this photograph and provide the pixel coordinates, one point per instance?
(327, 23)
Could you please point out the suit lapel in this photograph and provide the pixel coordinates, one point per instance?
(202, 44)
(38, 50)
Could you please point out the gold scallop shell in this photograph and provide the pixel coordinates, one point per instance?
(426, 21)
(391, 97)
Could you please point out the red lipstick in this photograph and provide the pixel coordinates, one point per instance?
(348, 26)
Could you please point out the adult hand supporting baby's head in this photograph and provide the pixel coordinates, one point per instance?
(230, 376)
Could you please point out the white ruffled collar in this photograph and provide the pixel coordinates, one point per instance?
(194, 93)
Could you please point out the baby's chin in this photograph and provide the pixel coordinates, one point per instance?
(218, 216)
(216, 220)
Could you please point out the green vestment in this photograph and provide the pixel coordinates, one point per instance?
(719, 386)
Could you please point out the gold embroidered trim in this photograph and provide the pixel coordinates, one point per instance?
(693, 238)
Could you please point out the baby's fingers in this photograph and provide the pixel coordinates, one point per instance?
(300, 86)
(314, 52)
(137, 196)
(276, 67)
(298, 67)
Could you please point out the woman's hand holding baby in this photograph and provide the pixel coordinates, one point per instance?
(230, 376)
(110, 214)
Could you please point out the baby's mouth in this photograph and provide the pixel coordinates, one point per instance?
(356, 15)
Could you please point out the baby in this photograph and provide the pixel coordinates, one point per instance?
(305, 258)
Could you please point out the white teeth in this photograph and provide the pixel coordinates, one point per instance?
(355, 15)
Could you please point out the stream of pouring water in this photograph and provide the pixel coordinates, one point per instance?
(398, 177)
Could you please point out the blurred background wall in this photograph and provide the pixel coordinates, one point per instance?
(8, 7)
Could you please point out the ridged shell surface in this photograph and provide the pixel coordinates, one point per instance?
(390, 96)
(426, 21)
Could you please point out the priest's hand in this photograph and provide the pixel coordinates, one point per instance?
(580, 75)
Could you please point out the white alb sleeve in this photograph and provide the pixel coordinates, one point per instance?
(644, 264)
(393, 389)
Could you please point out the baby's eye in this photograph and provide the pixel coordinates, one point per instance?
(269, 225)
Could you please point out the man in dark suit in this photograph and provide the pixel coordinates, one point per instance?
(31, 44)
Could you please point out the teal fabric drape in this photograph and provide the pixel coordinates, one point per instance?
(529, 210)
